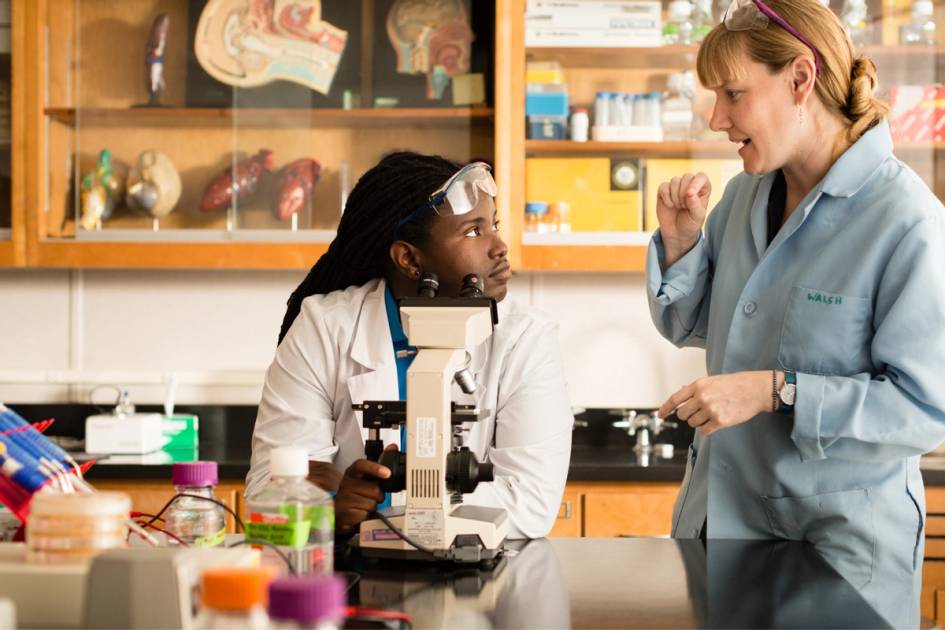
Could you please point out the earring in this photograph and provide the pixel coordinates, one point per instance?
(800, 114)
(416, 273)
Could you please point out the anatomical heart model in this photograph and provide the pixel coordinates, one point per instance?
(237, 183)
(431, 37)
(248, 43)
(294, 188)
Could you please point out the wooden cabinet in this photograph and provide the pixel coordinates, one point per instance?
(933, 570)
(85, 82)
(643, 71)
(151, 496)
(608, 509)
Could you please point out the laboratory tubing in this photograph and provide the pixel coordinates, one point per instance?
(72, 528)
(315, 603)
(563, 215)
(294, 514)
(601, 109)
(534, 216)
(920, 31)
(234, 598)
(195, 519)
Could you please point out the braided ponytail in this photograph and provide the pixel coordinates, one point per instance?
(385, 194)
(862, 108)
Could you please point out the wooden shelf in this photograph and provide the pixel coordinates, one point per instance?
(685, 56)
(641, 149)
(659, 57)
(59, 254)
(264, 117)
(625, 258)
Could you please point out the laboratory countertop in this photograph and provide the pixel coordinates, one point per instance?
(599, 451)
(626, 583)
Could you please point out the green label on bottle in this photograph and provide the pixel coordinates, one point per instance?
(290, 526)
(211, 540)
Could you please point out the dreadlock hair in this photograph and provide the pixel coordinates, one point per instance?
(399, 184)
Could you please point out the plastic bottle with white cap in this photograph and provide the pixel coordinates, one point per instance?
(294, 514)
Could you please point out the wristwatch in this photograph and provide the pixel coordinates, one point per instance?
(788, 393)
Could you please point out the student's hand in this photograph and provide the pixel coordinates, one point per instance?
(324, 475)
(718, 402)
(681, 206)
(359, 493)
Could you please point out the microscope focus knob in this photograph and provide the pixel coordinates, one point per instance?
(428, 285)
(472, 286)
(396, 461)
(464, 472)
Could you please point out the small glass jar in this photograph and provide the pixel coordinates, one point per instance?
(198, 522)
(72, 528)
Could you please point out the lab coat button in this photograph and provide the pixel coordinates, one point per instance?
(749, 308)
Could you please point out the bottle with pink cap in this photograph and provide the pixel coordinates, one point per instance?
(195, 519)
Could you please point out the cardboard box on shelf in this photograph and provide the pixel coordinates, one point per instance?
(604, 193)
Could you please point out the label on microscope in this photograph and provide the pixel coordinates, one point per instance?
(426, 436)
(425, 526)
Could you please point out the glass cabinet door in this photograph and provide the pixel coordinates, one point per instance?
(612, 108)
(6, 130)
(250, 120)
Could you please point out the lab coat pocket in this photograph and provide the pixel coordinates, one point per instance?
(838, 524)
(826, 333)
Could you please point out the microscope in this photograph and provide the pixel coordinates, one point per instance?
(437, 468)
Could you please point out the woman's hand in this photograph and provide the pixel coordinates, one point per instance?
(359, 493)
(681, 206)
(718, 402)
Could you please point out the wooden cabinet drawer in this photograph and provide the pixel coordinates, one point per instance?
(568, 522)
(641, 510)
(150, 496)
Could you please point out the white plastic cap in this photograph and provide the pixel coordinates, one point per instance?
(679, 9)
(922, 7)
(288, 461)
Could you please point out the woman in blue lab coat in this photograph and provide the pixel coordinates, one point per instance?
(818, 292)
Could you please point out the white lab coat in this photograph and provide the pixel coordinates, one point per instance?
(339, 351)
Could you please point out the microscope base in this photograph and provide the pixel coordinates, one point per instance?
(475, 534)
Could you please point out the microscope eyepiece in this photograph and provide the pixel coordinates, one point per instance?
(472, 286)
(428, 285)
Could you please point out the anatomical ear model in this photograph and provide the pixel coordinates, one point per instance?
(153, 184)
(431, 37)
(253, 42)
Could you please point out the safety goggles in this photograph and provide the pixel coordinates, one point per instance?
(747, 15)
(462, 191)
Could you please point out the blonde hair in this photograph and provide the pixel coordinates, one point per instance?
(845, 85)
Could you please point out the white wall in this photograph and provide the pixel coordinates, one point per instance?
(216, 331)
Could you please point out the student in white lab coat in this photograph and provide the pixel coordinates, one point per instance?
(409, 214)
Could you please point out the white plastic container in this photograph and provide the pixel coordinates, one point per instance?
(580, 124)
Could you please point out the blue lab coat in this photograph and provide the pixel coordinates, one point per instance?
(851, 296)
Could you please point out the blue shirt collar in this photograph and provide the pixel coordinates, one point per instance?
(857, 164)
(393, 317)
